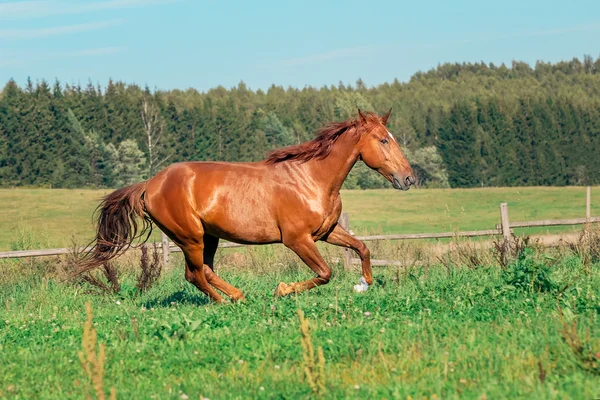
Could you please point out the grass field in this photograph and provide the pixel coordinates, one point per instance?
(42, 218)
(425, 332)
(449, 327)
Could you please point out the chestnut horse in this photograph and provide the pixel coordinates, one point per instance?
(292, 197)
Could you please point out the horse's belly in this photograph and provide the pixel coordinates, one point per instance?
(243, 231)
(245, 219)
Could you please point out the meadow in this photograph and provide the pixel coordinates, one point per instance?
(466, 325)
(528, 330)
(47, 218)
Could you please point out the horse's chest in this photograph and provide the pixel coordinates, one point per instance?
(331, 214)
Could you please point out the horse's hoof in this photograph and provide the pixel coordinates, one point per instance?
(362, 286)
(282, 289)
(238, 299)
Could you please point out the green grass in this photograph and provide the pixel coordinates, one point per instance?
(42, 218)
(432, 332)
(443, 210)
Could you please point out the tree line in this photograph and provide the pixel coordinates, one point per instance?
(461, 125)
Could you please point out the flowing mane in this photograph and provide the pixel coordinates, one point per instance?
(321, 146)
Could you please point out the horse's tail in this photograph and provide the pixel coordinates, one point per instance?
(118, 226)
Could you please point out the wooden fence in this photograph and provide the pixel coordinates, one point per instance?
(503, 229)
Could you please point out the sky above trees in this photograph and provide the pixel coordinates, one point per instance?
(168, 44)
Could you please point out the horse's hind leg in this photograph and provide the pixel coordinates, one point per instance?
(210, 248)
(194, 271)
(183, 227)
(307, 250)
(231, 291)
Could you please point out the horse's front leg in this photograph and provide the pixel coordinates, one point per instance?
(307, 250)
(340, 237)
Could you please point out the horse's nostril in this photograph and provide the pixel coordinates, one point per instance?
(409, 180)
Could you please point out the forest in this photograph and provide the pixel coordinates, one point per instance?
(460, 125)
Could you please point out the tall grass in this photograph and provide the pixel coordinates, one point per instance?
(314, 367)
(92, 360)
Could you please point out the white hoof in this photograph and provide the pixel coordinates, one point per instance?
(363, 286)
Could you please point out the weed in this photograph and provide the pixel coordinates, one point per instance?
(528, 274)
(585, 351)
(26, 239)
(466, 254)
(505, 251)
(92, 362)
(176, 327)
(67, 267)
(110, 283)
(470, 255)
(587, 246)
(314, 371)
(150, 270)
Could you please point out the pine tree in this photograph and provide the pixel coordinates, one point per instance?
(458, 146)
(276, 134)
(127, 162)
(493, 125)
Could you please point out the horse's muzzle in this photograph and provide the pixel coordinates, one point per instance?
(403, 184)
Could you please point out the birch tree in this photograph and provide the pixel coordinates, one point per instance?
(154, 128)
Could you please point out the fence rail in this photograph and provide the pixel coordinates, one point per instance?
(502, 229)
(551, 222)
(172, 248)
(441, 235)
(34, 253)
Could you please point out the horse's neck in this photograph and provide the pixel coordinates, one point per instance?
(333, 169)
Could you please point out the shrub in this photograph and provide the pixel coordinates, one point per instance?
(529, 274)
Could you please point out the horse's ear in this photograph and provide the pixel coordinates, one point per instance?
(363, 117)
(385, 117)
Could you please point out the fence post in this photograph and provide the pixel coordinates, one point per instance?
(504, 221)
(165, 248)
(344, 222)
(588, 203)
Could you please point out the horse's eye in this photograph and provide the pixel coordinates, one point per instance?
(383, 141)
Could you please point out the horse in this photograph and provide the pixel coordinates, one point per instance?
(291, 197)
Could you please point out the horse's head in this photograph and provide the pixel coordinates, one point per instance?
(381, 152)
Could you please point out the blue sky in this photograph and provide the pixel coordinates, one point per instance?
(169, 44)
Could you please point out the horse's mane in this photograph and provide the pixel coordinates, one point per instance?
(321, 146)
